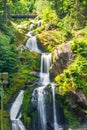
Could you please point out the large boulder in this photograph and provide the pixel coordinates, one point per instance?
(61, 58)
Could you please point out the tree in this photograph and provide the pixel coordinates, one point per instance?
(8, 56)
(76, 9)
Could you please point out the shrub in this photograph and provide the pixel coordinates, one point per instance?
(75, 76)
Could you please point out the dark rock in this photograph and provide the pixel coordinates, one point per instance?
(78, 105)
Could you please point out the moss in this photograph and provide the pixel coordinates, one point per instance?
(51, 39)
(26, 109)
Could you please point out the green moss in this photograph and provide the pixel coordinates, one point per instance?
(51, 39)
(26, 109)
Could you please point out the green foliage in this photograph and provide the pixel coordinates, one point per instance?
(8, 31)
(75, 9)
(80, 46)
(26, 109)
(49, 15)
(73, 122)
(65, 24)
(21, 6)
(74, 77)
(31, 60)
(40, 5)
(8, 59)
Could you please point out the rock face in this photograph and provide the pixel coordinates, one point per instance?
(78, 105)
(61, 56)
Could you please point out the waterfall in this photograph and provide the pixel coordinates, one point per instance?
(32, 44)
(15, 113)
(54, 108)
(45, 66)
(31, 25)
(39, 93)
(41, 109)
(39, 22)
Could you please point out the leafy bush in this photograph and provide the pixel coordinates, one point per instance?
(80, 46)
(75, 76)
(40, 5)
(49, 15)
(8, 31)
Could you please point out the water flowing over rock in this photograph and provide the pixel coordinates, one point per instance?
(46, 107)
(39, 22)
(31, 25)
(41, 109)
(39, 94)
(46, 61)
(15, 113)
(54, 108)
(32, 44)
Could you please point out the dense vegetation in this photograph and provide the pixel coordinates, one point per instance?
(63, 21)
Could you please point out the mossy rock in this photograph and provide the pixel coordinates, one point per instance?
(51, 39)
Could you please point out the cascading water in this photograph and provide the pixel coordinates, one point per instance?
(38, 23)
(32, 44)
(46, 62)
(41, 109)
(54, 108)
(39, 93)
(44, 79)
(31, 26)
(15, 113)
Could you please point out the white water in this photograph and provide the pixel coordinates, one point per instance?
(38, 23)
(29, 34)
(41, 108)
(46, 62)
(44, 79)
(31, 26)
(54, 108)
(15, 109)
(32, 44)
